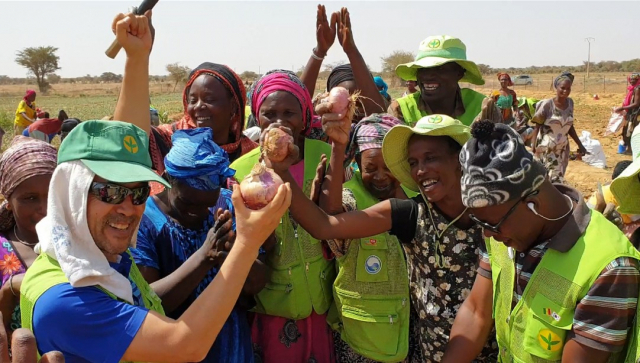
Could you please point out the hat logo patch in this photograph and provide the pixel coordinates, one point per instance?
(434, 44)
(130, 144)
(435, 119)
(373, 264)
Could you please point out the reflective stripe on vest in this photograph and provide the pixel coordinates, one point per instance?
(301, 278)
(536, 328)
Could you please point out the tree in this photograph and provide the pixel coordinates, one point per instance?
(390, 62)
(53, 78)
(249, 76)
(109, 77)
(177, 74)
(485, 69)
(40, 61)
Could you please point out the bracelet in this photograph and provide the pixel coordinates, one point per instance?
(11, 286)
(314, 56)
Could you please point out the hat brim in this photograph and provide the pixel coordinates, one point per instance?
(408, 71)
(626, 189)
(123, 172)
(396, 144)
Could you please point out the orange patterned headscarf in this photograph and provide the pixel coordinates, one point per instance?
(507, 76)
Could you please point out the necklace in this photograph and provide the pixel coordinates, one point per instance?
(15, 232)
(440, 260)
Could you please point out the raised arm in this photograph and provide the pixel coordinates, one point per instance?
(189, 338)
(134, 34)
(325, 36)
(372, 100)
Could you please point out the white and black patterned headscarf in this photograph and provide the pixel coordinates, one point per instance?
(497, 167)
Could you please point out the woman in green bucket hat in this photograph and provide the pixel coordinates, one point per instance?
(439, 239)
(441, 63)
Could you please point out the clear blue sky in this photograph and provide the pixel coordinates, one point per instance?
(263, 35)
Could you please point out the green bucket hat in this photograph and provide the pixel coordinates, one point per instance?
(114, 150)
(436, 51)
(396, 143)
(626, 189)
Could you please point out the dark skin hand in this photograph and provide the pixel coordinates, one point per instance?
(23, 348)
(325, 37)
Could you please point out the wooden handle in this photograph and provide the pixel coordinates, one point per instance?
(113, 49)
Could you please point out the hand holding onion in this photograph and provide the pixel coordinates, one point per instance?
(279, 150)
(337, 109)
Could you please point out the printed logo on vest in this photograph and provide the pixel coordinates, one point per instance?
(372, 242)
(373, 265)
(549, 340)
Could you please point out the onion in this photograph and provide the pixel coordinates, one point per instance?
(259, 187)
(276, 144)
(339, 98)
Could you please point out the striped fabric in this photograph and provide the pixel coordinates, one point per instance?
(603, 317)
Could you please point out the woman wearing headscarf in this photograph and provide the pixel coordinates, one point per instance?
(506, 98)
(354, 76)
(382, 88)
(371, 183)
(290, 317)
(439, 238)
(175, 251)
(631, 106)
(25, 113)
(46, 128)
(554, 125)
(25, 171)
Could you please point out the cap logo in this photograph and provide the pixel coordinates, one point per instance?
(130, 144)
(434, 44)
(435, 119)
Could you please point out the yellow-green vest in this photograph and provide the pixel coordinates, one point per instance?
(471, 99)
(46, 273)
(371, 292)
(301, 278)
(536, 328)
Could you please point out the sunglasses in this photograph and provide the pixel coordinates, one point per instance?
(495, 228)
(116, 194)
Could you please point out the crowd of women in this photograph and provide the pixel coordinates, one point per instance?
(384, 241)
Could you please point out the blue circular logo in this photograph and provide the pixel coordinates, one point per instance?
(373, 264)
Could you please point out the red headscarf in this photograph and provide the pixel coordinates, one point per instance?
(509, 82)
(634, 82)
(28, 95)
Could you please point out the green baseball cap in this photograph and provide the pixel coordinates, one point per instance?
(114, 150)
(437, 50)
(396, 143)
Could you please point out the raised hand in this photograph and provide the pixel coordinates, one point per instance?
(134, 33)
(219, 238)
(316, 186)
(325, 31)
(335, 125)
(345, 36)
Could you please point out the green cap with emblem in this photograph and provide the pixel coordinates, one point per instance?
(116, 151)
(396, 143)
(436, 51)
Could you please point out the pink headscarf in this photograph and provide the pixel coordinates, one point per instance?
(29, 93)
(634, 81)
(281, 80)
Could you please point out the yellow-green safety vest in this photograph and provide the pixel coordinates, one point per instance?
(301, 278)
(471, 99)
(535, 330)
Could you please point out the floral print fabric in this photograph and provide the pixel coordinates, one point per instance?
(552, 148)
(10, 264)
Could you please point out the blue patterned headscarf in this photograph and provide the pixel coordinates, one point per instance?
(197, 161)
(382, 84)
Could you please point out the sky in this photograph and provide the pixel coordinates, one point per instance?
(263, 35)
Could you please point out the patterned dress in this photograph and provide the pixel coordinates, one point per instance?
(10, 265)
(552, 148)
(442, 263)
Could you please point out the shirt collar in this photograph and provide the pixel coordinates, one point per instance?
(575, 227)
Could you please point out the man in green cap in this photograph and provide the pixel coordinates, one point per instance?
(440, 65)
(84, 278)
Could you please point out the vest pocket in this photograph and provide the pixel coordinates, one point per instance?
(546, 328)
(372, 260)
(374, 335)
(280, 296)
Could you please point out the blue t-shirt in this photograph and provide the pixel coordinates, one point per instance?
(101, 328)
(165, 245)
(39, 135)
